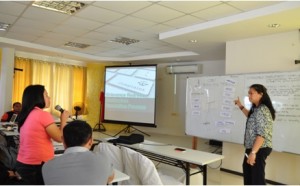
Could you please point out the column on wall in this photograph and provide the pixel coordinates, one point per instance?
(6, 81)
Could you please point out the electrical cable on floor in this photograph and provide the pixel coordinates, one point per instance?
(217, 166)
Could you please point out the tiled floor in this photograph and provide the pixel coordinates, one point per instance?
(215, 176)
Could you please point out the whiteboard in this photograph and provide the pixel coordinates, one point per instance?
(211, 113)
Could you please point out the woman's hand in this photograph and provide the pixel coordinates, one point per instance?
(251, 159)
(237, 102)
(64, 116)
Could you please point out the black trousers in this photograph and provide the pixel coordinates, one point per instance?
(255, 175)
(31, 174)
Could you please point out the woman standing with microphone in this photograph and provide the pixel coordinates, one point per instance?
(258, 134)
(37, 128)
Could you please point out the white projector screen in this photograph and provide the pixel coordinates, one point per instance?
(130, 93)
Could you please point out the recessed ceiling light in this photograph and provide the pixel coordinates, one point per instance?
(275, 25)
(4, 26)
(66, 7)
(193, 41)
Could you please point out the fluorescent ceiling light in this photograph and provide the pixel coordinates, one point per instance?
(66, 7)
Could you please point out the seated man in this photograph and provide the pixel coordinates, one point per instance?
(17, 106)
(78, 165)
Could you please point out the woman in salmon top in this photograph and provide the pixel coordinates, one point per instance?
(37, 128)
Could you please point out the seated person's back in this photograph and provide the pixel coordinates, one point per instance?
(78, 165)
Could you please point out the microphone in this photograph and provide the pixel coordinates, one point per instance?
(58, 108)
(61, 110)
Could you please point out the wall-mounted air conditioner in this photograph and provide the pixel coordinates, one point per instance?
(184, 69)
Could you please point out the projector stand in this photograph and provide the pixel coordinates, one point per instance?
(98, 128)
(127, 130)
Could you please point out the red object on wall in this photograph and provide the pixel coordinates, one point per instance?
(101, 99)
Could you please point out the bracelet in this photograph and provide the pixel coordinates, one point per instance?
(242, 107)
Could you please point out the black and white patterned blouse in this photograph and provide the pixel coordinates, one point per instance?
(260, 123)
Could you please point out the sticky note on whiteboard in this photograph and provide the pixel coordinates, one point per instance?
(224, 131)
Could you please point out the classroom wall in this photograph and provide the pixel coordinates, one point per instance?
(171, 91)
(264, 54)
(170, 102)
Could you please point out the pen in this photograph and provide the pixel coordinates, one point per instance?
(246, 155)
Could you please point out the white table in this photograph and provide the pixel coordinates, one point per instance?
(6, 132)
(167, 154)
(11, 136)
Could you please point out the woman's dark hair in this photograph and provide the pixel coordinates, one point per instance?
(77, 133)
(33, 96)
(265, 99)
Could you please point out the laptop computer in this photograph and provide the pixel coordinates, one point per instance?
(13, 118)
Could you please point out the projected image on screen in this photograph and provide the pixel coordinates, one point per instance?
(130, 95)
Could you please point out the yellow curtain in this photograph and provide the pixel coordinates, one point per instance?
(79, 88)
(21, 78)
(66, 84)
(62, 86)
(41, 73)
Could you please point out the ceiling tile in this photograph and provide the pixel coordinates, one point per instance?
(99, 14)
(110, 45)
(188, 7)
(26, 31)
(157, 13)
(251, 5)
(11, 8)
(157, 28)
(49, 42)
(44, 15)
(125, 7)
(4, 18)
(184, 21)
(24, 2)
(57, 36)
(34, 24)
(112, 29)
(220, 11)
(138, 35)
(98, 36)
(80, 23)
(22, 37)
(70, 30)
(96, 49)
(133, 23)
(86, 41)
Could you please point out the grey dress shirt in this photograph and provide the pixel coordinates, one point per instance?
(77, 166)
